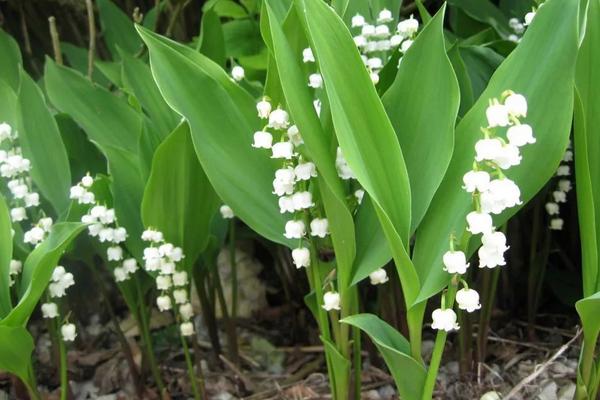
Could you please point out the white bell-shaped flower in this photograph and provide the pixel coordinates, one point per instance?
(476, 180)
(119, 235)
(395, 40)
(479, 222)
(552, 208)
(87, 181)
(301, 257)
(455, 262)
(163, 282)
(556, 224)
(226, 212)
(564, 185)
(238, 73)
(279, 119)
(49, 310)
(563, 170)
(262, 140)
(106, 235)
(15, 267)
(286, 204)
(497, 115)
(130, 265)
(32, 200)
(307, 55)
(283, 150)
(315, 81)
(68, 332)
(187, 329)
(491, 253)
(114, 253)
(34, 235)
(305, 171)
(375, 63)
(383, 45)
(18, 214)
(516, 105)
(358, 21)
(302, 200)
(406, 45)
(164, 303)
(360, 41)
(568, 156)
(385, 16)
(408, 27)
(180, 296)
(444, 320)
(180, 278)
(367, 30)
(375, 80)
(76, 192)
(382, 31)
(529, 18)
(186, 311)
(319, 227)
(559, 196)
(120, 274)
(263, 108)
(508, 156)
(359, 194)
(295, 229)
(331, 301)
(487, 149)
(294, 135)
(468, 300)
(378, 277)
(167, 267)
(520, 135)
(501, 194)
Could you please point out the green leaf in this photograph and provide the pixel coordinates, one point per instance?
(211, 42)
(118, 29)
(242, 38)
(340, 369)
(481, 63)
(42, 145)
(38, 268)
(6, 247)
(178, 198)
(425, 84)
(16, 347)
(409, 375)
(137, 78)
(552, 41)
(587, 149)
(363, 129)
(588, 310)
(485, 11)
(229, 9)
(464, 82)
(78, 59)
(107, 119)
(8, 98)
(10, 61)
(222, 118)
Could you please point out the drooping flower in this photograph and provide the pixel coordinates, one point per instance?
(444, 320)
(263, 108)
(262, 140)
(556, 224)
(238, 73)
(455, 262)
(319, 227)
(476, 180)
(516, 105)
(49, 310)
(301, 257)
(468, 299)
(226, 212)
(520, 135)
(497, 115)
(378, 277)
(331, 301)
(479, 222)
(358, 21)
(295, 229)
(68, 332)
(187, 329)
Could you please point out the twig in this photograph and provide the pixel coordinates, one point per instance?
(92, 36)
(542, 367)
(247, 382)
(55, 41)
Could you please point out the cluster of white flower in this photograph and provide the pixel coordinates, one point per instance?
(103, 225)
(492, 193)
(226, 212)
(14, 168)
(61, 281)
(376, 41)
(162, 257)
(519, 27)
(238, 73)
(559, 195)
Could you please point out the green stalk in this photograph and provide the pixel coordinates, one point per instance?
(415, 316)
(232, 344)
(490, 284)
(233, 263)
(587, 360)
(438, 349)
(62, 351)
(144, 326)
(190, 368)
(356, 348)
(31, 383)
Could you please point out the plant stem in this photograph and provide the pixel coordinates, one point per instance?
(438, 348)
(490, 283)
(233, 264)
(190, 368)
(414, 318)
(55, 40)
(356, 349)
(144, 326)
(208, 311)
(92, 35)
(232, 345)
(64, 381)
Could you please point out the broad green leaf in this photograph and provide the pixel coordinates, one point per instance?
(242, 38)
(229, 9)
(137, 78)
(107, 119)
(588, 310)
(118, 29)
(110, 70)
(222, 118)
(587, 149)
(363, 129)
(340, 370)
(485, 11)
(78, 59)
(6, 247)
(552, 41)
(464, 81)
(481, 63)
(16, 348)
(38, 268)
(8, 99)
(286, 54)
(409, 374)
(211, 42)
(422, 105)
(10, 61)
(40, 140)
(178, 198)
